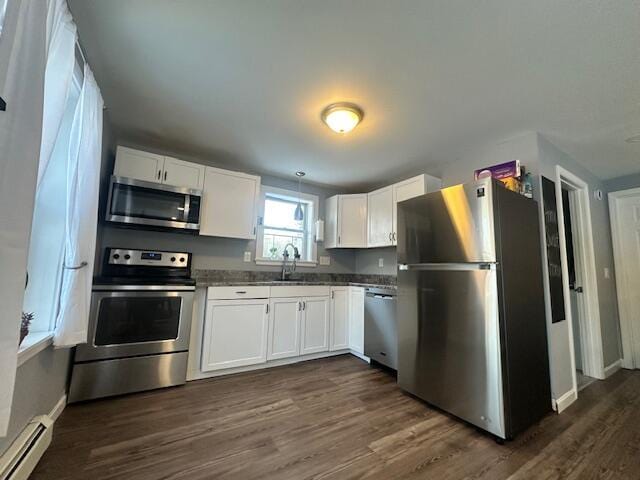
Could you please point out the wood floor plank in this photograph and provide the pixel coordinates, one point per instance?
(331, 419)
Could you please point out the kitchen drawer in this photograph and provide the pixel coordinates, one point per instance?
(300, 291)
(237, 292)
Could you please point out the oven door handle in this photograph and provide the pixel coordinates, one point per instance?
(144, 288)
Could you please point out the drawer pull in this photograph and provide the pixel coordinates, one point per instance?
(241, 292)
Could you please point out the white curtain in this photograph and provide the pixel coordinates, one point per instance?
(22, 66)
(61, 42)
(83, 181)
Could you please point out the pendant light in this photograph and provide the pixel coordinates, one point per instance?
(299, 214)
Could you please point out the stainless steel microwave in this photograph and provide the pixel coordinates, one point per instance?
(149, 204)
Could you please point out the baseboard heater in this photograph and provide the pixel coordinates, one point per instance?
(23, 455)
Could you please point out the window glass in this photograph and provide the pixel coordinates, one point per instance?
(46, 247)
(280, 228)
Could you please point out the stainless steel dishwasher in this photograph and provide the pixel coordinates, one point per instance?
(380, 326)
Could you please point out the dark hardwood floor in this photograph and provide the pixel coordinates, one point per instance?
(335, 418)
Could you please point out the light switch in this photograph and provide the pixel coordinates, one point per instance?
(247, 256)
(325, 260)
(380, 262)
(607, 273)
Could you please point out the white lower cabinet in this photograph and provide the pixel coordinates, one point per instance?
(284, 328)
(356, 319)
(280, 323)
(339, 318)
(235, 334)
(315, 325)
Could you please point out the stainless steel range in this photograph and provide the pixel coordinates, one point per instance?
(139, 325)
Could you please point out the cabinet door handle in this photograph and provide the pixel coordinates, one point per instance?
(332, 294)
(304, 305)
(299, 306)
(390, 237)
(159, 173)
(165, 175)
(267, 309)
(339, 242)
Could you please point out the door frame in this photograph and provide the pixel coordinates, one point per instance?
(592, 351)
(626, 330)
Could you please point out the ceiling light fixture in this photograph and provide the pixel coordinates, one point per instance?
(342, 117)
(634, 139)
(299, 214)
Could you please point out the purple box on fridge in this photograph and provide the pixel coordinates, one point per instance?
(501, 171)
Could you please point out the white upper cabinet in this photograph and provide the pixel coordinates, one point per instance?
(380, 212)
(229, 204)
(339, 318)
(346, 221)
(150, 167)
(411, 188)
(370, 220)
(139, 165)
(331, 222)
(183, 174)
(352, 221)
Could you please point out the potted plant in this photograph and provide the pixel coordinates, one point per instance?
(27, 318)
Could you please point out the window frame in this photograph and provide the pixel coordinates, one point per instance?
(312, 202)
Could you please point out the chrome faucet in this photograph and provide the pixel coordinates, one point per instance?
(285, 258)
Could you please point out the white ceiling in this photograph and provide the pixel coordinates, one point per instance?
(243, 82)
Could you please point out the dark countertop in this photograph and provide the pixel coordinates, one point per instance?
(226, 278)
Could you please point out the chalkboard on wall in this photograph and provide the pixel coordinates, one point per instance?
(552, 240)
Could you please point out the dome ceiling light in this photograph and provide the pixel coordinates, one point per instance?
(342, 117)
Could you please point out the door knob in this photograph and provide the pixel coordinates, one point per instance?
(579, 289)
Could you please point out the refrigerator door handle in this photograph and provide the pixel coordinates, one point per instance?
(449, 266)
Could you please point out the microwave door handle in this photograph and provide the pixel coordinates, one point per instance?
(187, 207)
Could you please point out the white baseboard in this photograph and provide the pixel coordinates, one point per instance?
(613, 368)
(58, 408)
(564, 401)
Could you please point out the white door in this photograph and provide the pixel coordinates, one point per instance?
(356, 319)
(284, 328)
(315, 325)
(352, 221)
(331, 222)
(339, 318)
(140, 165)
(235, 334)
(380, 217)
(183, 174)
(410, 188)
(625, 210)
(229, 204)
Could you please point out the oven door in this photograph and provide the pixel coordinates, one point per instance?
(127, 323)
(151, 204)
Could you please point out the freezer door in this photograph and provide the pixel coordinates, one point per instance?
(449, 341)
(453, 225)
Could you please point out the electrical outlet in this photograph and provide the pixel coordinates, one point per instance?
(607, 273)
(247, 256)
(325, 260)
(380, 262)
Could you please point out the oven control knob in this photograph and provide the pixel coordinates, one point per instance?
(173, 259)
(182, 259)
(127, 256)
(116, 256)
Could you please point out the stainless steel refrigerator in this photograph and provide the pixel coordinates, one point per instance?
(471, 317)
